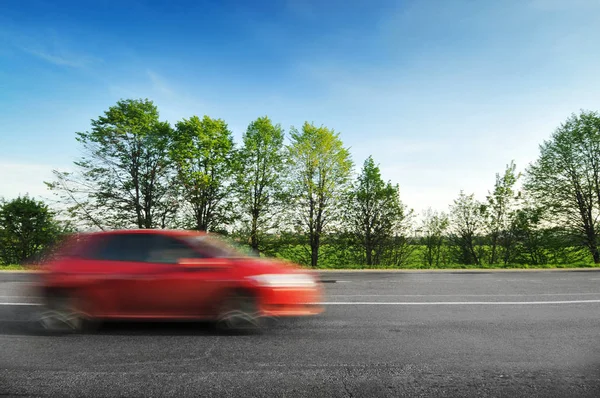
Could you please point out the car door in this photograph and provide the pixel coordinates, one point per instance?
(186, 290)
(129, 275)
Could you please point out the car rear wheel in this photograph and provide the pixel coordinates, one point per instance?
(239, 312)
(63, 314)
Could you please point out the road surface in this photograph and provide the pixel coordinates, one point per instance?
(530, 334)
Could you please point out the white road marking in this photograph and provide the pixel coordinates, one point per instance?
(415, 278)
(463, 295)
(461, 302)
(405, 303)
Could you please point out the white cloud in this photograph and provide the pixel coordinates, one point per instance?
(48, 46)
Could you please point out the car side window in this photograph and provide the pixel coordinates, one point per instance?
(123, 247)
(170, 250)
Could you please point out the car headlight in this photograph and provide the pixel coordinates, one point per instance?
(285, 280)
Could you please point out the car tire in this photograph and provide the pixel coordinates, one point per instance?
(239, 313)
(62, 314)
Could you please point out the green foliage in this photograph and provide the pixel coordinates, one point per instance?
(334, 255)
(203, 153)
(500, 211)
(467, 222)
(433, 237)
(565, 180)
(27, 226)
(259, 179)
(123, 180)
(297, 201)
(375, 215)
(320, 169)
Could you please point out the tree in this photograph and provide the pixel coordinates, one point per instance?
(259, 177)
(124, 177)
(466, 221)
(374, 212)
(500, 208)
(565, 179)
(27, 226)
(529, 236)
(203, 153)
(399, 247)
(321, 169)
(433, 229)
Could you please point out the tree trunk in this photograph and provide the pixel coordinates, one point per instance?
(472, 252)
(369, 254)
(593, 248)
(595, 254)
(438, 251)
(314, 250)
(494, 255)
(254, 236)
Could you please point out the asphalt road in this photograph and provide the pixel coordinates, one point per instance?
(521, 334)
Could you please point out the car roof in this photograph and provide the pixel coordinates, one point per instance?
(168, 232)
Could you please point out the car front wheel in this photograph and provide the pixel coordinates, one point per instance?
(62, 314)
(239, 312)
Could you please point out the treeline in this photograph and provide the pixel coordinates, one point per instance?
(140, 172)
(297, 195)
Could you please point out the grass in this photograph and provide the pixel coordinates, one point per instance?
(12, 267)
(463, 266)
(334, 257)
(15, 267)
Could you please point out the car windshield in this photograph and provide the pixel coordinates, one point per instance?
(220, 246)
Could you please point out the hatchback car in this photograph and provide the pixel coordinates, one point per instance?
(169, 275)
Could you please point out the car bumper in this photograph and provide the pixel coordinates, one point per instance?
(292, 302)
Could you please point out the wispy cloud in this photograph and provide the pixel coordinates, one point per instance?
(173, 100)
(48, 46)
(159, 84)
(61, 59)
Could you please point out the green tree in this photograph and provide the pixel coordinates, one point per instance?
(526, 228)
(203, 153)
(565, 179)
(259, 172)
(320, 172)
(124, 177)
(466, 223)
(433, 229)
(27, 226)
(500, 207)
(374, 212)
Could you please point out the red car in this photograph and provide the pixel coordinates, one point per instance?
(168, 275)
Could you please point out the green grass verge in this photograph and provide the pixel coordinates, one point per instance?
(14, 267)
(463, 266)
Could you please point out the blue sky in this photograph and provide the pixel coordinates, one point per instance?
(442, 93)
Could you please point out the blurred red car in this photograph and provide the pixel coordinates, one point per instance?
(166, 274)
